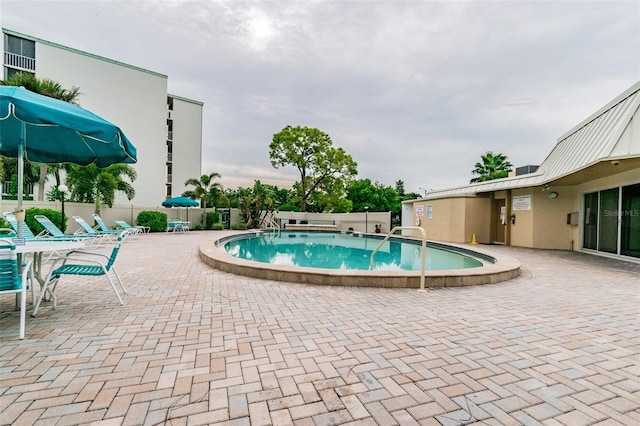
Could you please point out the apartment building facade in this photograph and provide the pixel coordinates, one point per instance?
(166, 129)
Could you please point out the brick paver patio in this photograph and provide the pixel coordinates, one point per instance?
(557, 346)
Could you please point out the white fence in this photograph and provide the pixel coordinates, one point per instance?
(359, 222)
(109, 214)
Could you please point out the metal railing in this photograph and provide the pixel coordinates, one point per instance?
(423, 251)
(269, 223)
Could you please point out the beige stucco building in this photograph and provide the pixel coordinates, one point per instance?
(584, 196)
(166, 129)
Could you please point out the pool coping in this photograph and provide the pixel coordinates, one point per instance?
(504, 268)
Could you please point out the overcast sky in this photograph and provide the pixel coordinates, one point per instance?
(413, 90)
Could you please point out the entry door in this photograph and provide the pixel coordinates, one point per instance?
(500, 221)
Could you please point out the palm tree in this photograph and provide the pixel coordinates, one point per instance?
(205, 188)
(493, 166)
(48, 88)
(91, 184)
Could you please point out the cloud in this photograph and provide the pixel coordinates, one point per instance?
(413, 90)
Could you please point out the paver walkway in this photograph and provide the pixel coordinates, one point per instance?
(557, 346)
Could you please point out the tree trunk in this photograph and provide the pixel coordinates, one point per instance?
(41, 181)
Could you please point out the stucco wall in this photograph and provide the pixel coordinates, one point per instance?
(187, 146)
(133, 99)
(447, 219)
(477, 219)
(550, 218)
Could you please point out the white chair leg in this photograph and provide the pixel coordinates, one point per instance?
(23, 309)
(113, 286)
(43, 291)
(124, 290)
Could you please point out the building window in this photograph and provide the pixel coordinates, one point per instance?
(19, 55)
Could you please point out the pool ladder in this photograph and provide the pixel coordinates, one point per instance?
(423, 251)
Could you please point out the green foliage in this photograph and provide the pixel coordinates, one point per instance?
(375, 196)
(239, 227)
(212, 219)
(207, 191)
(288, 208)
(493, 166)
(91, 184)
(10, 173)
(157, 221)
(256, 204)
(217, 226)
(42, 86)
(53, 215)
(4, 223)
(312, 153)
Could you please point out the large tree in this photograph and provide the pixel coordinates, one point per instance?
(493, 166)
(48, 88)
(374, 197)
(311, 151)
(91, 184)
(206, 188)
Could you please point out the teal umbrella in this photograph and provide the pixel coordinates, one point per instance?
(180, 202)
(47, 130)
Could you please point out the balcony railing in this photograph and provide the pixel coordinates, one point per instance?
(14, 60)
(170, 135)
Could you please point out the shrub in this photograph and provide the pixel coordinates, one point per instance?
(212, 219)
(288, 208)
(53, 215)
(218, 226)
(157, 221)
(197, 227)
(239, 226)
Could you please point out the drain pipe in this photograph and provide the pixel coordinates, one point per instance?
(423, 251)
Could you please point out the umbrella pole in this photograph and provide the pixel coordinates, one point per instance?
(19, 213)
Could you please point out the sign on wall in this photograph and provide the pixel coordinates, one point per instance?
(521, 202)
(419, 210)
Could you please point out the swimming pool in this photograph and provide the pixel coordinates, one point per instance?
(345, 251)
(495, 267)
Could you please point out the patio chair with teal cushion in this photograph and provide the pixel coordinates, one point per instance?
(82, 263)
(12, 281)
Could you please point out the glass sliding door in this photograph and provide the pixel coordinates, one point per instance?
(630, 221)
(612, 221)
(590, 239)
(608, 229)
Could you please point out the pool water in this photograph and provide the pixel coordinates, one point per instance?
(345, 251)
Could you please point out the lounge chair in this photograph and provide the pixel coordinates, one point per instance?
(83, 263)
(138, 229)
(27, 234)
(102, 227)
(13, 282)
(54, 232)
(85, 228)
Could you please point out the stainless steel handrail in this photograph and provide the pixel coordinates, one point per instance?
(423, 253)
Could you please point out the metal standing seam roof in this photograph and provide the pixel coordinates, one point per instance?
(591, 141)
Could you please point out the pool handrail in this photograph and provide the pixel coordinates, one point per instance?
(423, 251)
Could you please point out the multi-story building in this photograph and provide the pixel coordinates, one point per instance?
(165, 129)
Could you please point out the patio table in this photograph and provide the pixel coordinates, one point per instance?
(38, 248)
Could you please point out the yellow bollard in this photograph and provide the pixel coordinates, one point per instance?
(473, 239)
